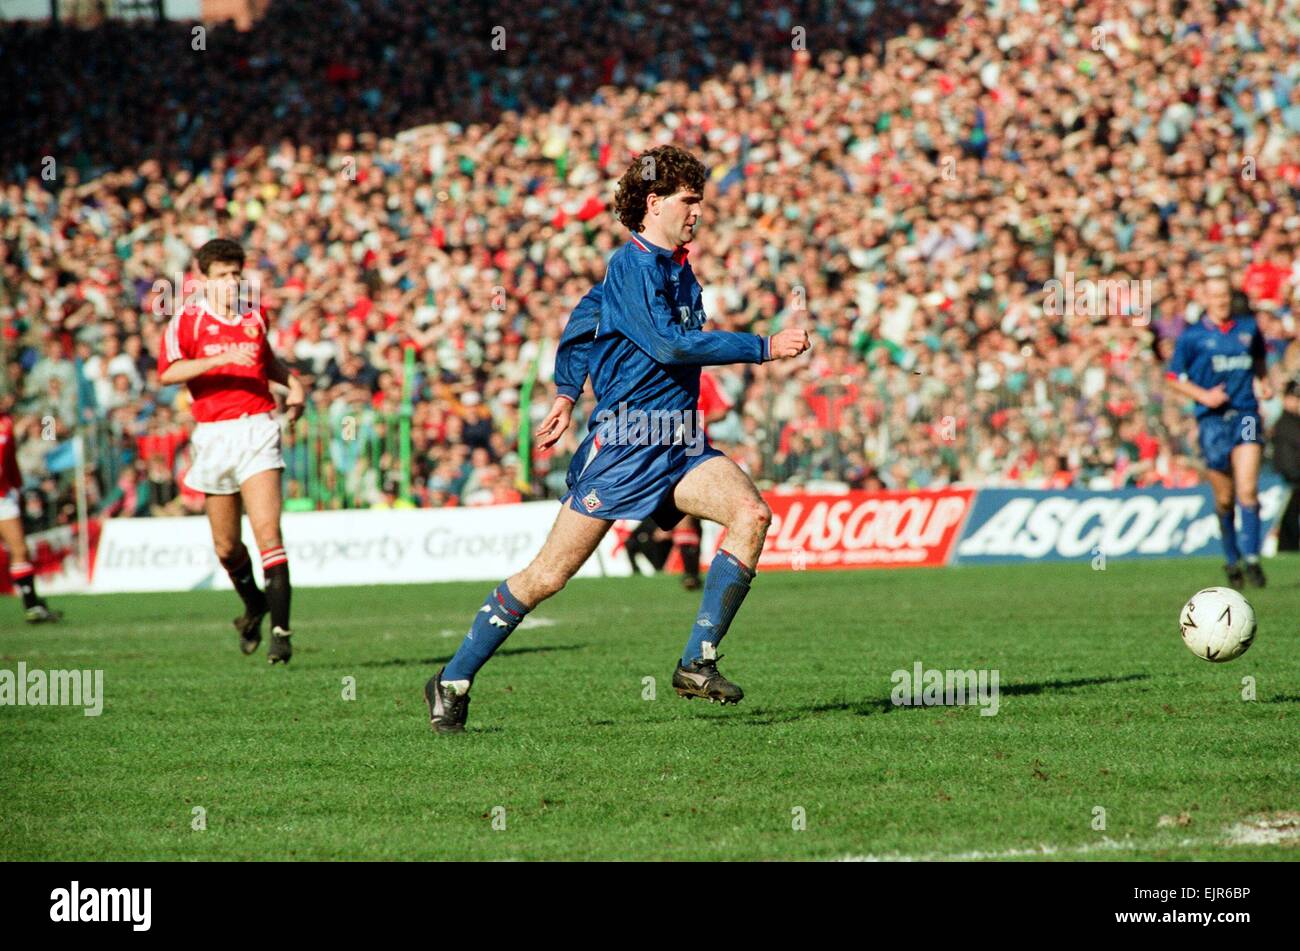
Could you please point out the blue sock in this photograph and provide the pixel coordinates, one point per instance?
(500, 614)
(1228, 533)
(725, 588)
(1250, 532)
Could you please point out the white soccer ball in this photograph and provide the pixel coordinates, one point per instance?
(1218, 624)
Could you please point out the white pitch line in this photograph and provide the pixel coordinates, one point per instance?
(1105, 845)
(1255, 830)
(526, 624)
(1266, 830)
(531, 621)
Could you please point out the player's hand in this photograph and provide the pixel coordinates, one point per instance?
(1215, 398)
(296, 401)
(236, 356)
(1263, 389)
(789, 343)
(555, 425)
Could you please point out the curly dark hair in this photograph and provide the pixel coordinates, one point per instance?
(219, 249)
(659, 171)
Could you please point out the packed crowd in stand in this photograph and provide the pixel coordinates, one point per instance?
(400, 185)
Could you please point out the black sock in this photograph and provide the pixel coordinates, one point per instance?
(691, 560)
(241, 576)
(632, 547)
(278, 594)
(686, 536)
(26, 586)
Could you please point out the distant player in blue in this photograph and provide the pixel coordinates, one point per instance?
(641, 338)
(1220, 363)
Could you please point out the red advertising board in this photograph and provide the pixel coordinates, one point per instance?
(863, 529)
(54, 553)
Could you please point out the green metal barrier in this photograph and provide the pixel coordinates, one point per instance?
(338, 458)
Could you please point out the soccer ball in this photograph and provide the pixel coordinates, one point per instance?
(1218, 624)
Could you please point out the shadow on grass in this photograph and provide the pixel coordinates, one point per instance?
(866, 708)
(443, 658)
(1284, 698)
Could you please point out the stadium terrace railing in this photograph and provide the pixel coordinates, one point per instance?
(346, 458)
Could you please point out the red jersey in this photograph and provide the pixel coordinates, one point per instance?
(163, 445)
(1264, 280)
(10, 476)
(229, 391)
(712, 400)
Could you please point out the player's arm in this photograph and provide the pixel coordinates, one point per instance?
(1176, 379)
(637, 303)
(1259, 357)
(1213, 398)
(278, 372)
(570, 368)
(182, 371)
(575, 345)
(176, 363)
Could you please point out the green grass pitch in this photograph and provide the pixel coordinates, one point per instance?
(1101, 706)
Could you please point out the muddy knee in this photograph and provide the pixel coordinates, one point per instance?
(754, 515)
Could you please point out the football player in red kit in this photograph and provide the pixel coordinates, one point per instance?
(11, 525)
(222, 354)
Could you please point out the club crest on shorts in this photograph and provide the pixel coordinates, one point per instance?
(591, 500)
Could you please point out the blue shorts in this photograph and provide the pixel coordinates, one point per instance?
(1223, 432)
(620, 481)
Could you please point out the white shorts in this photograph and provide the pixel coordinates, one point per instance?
(11, 505)
(228, 452)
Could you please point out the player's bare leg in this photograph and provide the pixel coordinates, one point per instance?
(570, 543)
(224, 520)
(1221, 487)
(261, 494)
(718, 490)
(1246, 460)
(23, 574)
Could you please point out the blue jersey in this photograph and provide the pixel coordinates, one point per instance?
(650, 343)
(640, 337)
(573, 353)
(1229, 356)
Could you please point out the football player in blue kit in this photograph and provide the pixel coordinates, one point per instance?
(643, 349)
(1220, 364)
